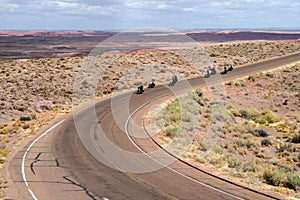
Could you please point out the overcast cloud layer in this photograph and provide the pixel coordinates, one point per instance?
(134, 14)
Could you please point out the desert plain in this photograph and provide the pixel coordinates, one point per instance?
(259, 145)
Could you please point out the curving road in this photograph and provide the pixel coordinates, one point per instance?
(63, 163)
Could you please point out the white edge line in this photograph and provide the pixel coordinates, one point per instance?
(32, 194)
(26, 152)
(190, 178)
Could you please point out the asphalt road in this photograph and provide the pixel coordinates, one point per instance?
(93, 155)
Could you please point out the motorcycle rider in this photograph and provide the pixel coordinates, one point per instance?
(140, 89)
(224, 70)
(151, 84)
(173, 81)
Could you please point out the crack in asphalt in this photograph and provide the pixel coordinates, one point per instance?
(36, 159)
(87, 192)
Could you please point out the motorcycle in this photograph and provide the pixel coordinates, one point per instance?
(140, 89)
(207, 74)
(173, 81)
(230, 68)
(213, 71)
(151, 84)
(210, 72)
(224, 71)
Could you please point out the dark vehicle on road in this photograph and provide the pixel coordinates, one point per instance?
(224, 71)
(140, 89)
(151, 84)
(207, 74)
(173, 80)
(210, 72)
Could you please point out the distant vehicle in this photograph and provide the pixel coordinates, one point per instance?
(207, 74)
(210, 72)
(213, 71)
(140, 89)
(173, 80)
(224, 70)
(151, 84)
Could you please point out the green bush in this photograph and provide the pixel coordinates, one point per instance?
(233, 162)
(293, 181)
(173, 112)
(274, 176)
(249, 113)
(172, 131)
(251, 78)
(267, 116)
(173, 117)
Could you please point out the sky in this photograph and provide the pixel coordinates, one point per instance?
(139, 14)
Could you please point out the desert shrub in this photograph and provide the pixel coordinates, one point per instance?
(218, 160)
(173, 117)
(266, 142)
(238, 142)
(173, 112)
(260, 133)
(251, 78)
(33, 115)
(235, 112)
(204, 146)
(199, 92)
(190, 103)
(231, 82)
(274, 176)
(252, 166)
(4, 153)
(248, 113)
(293, 181)
(214, 54)
(233, 162)
(218, 111)
(172, 131)
(26, 126)
(21, 108)
(296, 138)
(265, 117)
(250, 142)
(259, 155)
(187, 117)
(217, 149)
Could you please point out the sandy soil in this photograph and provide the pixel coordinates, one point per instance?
(41, 89)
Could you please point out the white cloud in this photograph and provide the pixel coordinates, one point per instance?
(6, 5)
(65, 5)
(131, 13)
(189, 9)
